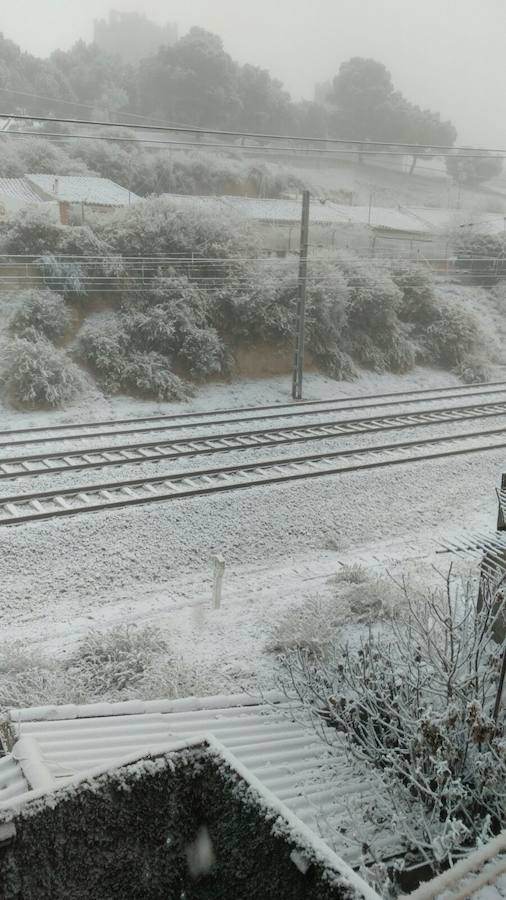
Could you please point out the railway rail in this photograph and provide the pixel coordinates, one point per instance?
(157, 451)
(24, 508)
(44, 434)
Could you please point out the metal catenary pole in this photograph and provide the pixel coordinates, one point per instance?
(298, 361)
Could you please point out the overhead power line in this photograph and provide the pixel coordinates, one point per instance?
(90, 106)
(240, 148)
(425, 148)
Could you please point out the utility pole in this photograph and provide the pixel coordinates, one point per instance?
(298, 359)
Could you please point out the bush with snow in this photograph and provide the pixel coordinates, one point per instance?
(312, 626)
(126, 662)
(415, 702)
(41, 313)
(37, 375)
(105, 346)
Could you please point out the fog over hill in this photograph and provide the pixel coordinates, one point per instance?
(447, 56)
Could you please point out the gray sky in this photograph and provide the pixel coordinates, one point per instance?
(445, 54)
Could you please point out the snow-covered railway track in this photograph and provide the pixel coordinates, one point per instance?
(44, 434)
(22, 508)
(158, 451)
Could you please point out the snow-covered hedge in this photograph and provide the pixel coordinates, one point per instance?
(181, 824)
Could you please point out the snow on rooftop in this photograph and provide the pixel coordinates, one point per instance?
(322, 212)
(83, 189)
(19, 189)
(287, 757)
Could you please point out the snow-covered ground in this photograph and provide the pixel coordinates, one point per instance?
(153, 564)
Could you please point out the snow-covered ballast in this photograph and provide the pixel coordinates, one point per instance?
(189, 820)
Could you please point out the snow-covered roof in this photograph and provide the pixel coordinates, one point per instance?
(19, 189)
(390, 218)
(288, 758)
(288, 212)
(285, 211)
(83, 189)
(195, 202)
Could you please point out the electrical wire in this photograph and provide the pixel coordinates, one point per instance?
(240, 148)
(426, 148)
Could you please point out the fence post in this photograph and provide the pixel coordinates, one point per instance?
(219, 569)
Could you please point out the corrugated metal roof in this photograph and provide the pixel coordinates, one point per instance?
(287, 757)
(288, 212)
(83, 189)
(19, 189)
(12, 781)
(195, 202)
(389, 218)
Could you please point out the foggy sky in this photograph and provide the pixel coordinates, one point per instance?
(445, 54)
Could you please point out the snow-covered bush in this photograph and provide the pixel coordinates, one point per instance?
(37, 375)
(159, 227)
(107, 348)
(126, 662)
(32, 232)
(481, 257)
(307, 626)
(117, 659)
(419, 302)
(312, 626)
(415, 702)
(41, 313)
(454, 336)
(202, 354)
(66, 277)
(148, 375)
(172, 319)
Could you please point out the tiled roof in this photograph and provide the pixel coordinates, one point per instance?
(287, 757)
(19, 189)
(83, 189)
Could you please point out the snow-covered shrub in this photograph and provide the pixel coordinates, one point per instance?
(126, 662)
(202, 353)
(474, 370)
(481, 257)
(102, 346)
(148, 375)
(65, 277)
(415, 703)
(37, 375)
(419, 302)
(454, 336)
(312, 626)
(41, 313)
(172, 319)
(116, 659)
(354, 574)
(305, 626)
(33, 232)
(159, 227)
(108, 349)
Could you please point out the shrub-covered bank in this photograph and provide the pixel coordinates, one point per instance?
(205, 294)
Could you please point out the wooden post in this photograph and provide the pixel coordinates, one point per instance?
(219, 569)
